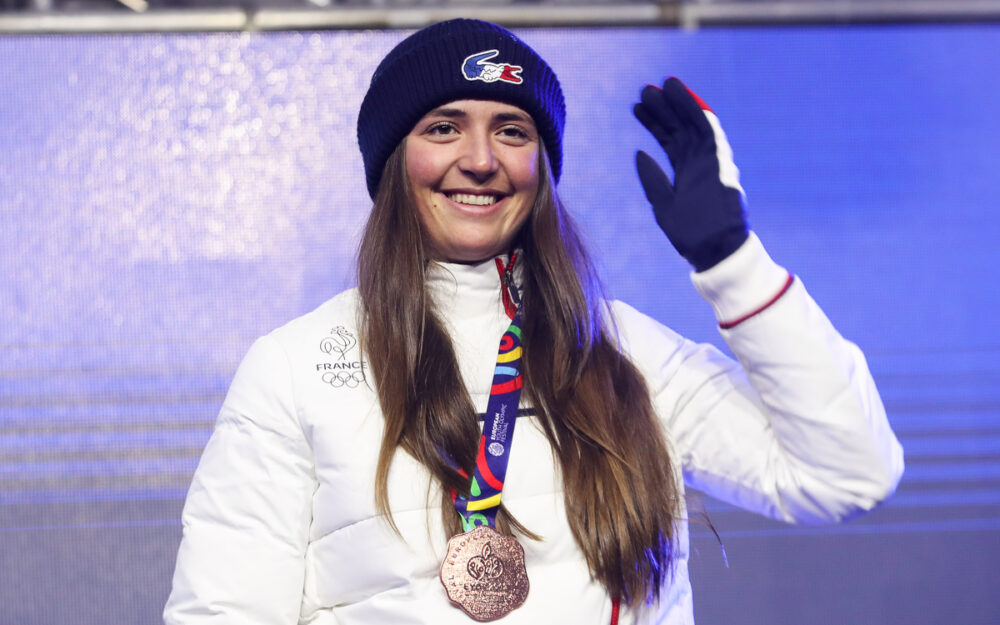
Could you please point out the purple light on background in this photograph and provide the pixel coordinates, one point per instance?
(164, 199)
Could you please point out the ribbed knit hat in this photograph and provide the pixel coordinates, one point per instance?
(461, 59)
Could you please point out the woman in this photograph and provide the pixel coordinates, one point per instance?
(348, 451)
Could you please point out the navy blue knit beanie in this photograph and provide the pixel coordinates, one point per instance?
(460, 59)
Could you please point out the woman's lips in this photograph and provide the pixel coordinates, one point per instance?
(477, 206)
(474, 199)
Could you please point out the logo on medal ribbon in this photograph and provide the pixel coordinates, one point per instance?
(477, 67)
(495, 449)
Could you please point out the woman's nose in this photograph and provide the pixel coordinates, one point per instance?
(478, 159)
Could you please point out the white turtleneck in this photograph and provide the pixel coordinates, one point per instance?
(467, 297)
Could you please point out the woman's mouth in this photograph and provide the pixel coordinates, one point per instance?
(472, 199)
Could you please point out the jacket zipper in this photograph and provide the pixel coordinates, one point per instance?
(508, 288)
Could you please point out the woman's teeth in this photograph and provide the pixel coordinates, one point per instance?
(475, 200)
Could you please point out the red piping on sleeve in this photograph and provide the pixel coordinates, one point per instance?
(732, 324)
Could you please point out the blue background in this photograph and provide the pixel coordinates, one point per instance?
(164, 199)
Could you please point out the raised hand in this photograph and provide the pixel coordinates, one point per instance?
(702, 210)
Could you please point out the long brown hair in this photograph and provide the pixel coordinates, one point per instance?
(621, 495)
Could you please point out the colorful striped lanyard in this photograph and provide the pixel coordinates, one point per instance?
(481, 505)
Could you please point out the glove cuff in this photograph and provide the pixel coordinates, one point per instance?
(719, 248)
(742, 285)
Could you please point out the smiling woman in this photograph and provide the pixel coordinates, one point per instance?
(472, 167)
(398, 494)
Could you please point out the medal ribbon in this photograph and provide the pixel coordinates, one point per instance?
(481, 505)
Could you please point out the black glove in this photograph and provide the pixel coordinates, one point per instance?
(702, 211)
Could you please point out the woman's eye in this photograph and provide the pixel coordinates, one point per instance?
(514, 132)
(440, 129)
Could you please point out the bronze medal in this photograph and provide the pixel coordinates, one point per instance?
(484, 573)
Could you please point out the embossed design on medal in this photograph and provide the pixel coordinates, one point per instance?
(484, 573)
(485, 566)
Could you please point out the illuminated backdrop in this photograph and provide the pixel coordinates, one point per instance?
(164, 199)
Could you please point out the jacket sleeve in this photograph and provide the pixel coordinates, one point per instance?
(796, 430)
(247, 514)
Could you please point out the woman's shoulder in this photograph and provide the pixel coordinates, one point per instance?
(649, 344)
(336, 316)
(634, 327)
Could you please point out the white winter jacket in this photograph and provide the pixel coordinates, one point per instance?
(280, 524)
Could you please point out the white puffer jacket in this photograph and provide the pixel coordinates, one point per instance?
(280, 525)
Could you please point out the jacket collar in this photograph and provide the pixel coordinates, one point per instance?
(467, 287)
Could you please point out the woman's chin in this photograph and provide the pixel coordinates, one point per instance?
(470, 254)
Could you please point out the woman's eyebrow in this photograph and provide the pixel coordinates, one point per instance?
(445, 111)
(456, 113)
(513, 116)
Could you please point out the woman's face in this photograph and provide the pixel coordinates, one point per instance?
(472, 166)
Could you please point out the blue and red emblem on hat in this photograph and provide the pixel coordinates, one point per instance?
(477, 67)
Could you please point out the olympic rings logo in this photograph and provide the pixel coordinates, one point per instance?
(341, 379)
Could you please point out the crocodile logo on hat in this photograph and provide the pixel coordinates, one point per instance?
(478, 67)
